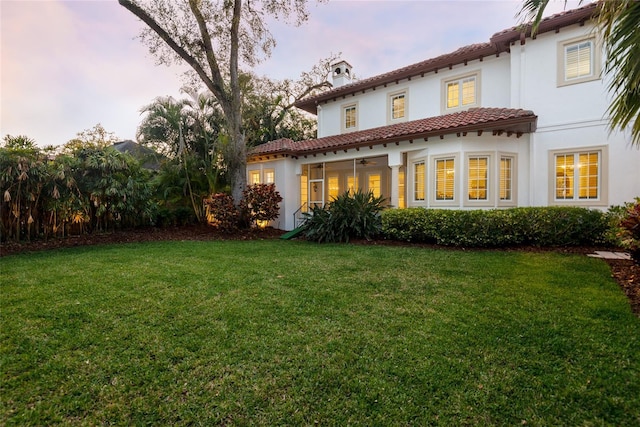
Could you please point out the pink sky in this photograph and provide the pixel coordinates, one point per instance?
(68, 65)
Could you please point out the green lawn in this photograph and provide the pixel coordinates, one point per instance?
(292, 333)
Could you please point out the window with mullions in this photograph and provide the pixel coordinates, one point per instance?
(461, 92)
(254, 177)
(505, 189)
(268, 176)
(350, 118)
(478, 178)
(352, 184)
(374, 184)
(445, 179)
(577, 176)
(418, 181)
(397, 107)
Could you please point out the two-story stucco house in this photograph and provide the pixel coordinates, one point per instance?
(515, 121)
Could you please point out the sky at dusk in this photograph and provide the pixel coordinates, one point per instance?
(66, 66)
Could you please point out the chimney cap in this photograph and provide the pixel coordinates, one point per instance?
(341, 72)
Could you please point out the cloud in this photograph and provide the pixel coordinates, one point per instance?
(68, 65)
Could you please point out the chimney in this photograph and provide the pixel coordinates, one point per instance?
(341, 74)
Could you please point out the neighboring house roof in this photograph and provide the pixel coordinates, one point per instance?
(149, 158)
(499, 42)
(496, 120)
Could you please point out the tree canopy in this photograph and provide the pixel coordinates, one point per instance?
(96, 137)
(215, 38)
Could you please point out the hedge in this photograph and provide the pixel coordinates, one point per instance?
(537, 226)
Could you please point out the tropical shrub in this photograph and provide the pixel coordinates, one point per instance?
(182, 182)
(23, 176)
(348, 216)
(630, 231)
(115, 189)
(539, 226)
(260, 203)
(222, 213)
(90, 189)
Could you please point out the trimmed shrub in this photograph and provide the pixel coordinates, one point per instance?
(348, 216)
(539, 226)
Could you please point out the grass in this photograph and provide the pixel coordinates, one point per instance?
(290, 333)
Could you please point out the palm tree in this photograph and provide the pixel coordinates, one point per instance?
(160, 128)
(23, 175)
(618, 21)
(206, 127)
(188, 132)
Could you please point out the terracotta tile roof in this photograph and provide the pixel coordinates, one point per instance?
(468, 53)
(499, 42)
(550, 23)
(499, 120)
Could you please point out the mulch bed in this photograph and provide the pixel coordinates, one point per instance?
(626, 273)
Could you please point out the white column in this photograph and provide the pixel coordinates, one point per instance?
(395, 184)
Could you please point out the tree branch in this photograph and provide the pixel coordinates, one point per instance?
(220, 92)
(164, 35)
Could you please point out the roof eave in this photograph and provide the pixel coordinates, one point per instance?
(517, 125)
(499, 42)
(578, 16)
(310, 104)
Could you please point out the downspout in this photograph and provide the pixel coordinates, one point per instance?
(319, 121)
(532, 136)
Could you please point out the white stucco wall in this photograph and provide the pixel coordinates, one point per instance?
(570, 117)
(424, 96)
(286, 184)
(460, 148)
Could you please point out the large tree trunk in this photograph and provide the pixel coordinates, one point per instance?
(237, 164)
(202, 58)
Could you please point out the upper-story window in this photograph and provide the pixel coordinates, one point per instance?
(461, 92)
(397, 107)
(578, 61)
(350, 117)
